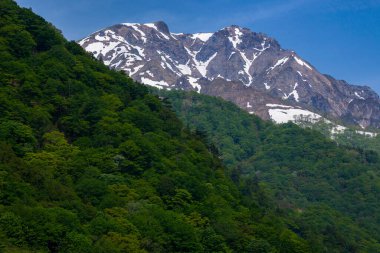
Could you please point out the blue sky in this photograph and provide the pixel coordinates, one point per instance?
(339, 37)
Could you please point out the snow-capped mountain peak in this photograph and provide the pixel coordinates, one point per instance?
(233, 62)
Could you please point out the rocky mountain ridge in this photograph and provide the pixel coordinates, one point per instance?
(245, 67)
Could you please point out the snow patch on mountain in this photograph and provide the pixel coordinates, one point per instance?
(235, 39)
(157, 84)
(278, 63)
(184, 68)
(247, 66)
(193, 83)
(202, 65)
(201, 36)
(294, 93)
(263, 47)
(284, 115)
(301, 62)
(357, 95)
(277, 105)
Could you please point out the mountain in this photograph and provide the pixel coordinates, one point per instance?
(330, 188)
(237, 64)
(90, 161)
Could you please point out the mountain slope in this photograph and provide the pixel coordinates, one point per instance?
(91, 162)
(251, 67)
(308, 174)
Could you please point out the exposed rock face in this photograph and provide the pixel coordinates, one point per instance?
(235, 63)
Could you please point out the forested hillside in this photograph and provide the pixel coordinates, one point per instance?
(332, 192)
(91, 162)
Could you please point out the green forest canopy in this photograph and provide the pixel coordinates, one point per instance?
(305, 172)
(91, 161)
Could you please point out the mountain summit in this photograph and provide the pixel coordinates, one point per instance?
(245, 67)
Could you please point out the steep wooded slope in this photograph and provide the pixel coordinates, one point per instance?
(91, 162)
(331, 190)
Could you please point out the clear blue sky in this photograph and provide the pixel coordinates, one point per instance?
(339, 37)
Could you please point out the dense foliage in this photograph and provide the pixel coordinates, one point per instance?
(330, 192)
(91, 162)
